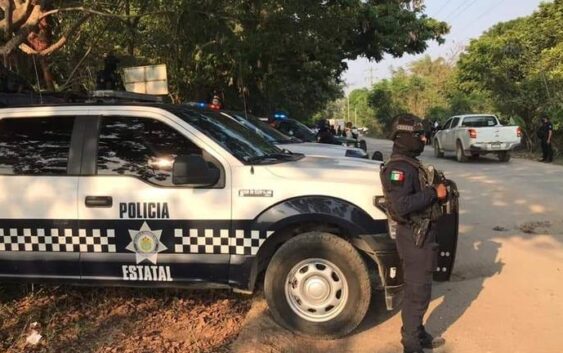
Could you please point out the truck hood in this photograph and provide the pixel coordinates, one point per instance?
(325, 169)
(319, 149)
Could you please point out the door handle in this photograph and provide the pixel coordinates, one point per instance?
(99, 201)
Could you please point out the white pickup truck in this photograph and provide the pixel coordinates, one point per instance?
(475, 135)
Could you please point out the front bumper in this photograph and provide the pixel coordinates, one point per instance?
(382, 249)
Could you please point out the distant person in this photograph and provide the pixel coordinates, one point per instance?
(545, 133)
(332, 130)
(109, 78)
(339, 131)
(216, 102)
(324, 135)
(355, 133)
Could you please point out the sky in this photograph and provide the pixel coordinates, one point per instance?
(467, 18)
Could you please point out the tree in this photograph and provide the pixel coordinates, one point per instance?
(518, 63)
(263, 55)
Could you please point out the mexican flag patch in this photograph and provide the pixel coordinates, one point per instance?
(397, 177)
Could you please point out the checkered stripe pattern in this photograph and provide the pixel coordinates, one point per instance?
(219, 241)
(58, 240)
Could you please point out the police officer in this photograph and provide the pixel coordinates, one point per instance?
(109, 78)
(545, 133)
(411, 200)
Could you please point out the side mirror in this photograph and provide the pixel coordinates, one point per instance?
(377, 156)
(193, 170)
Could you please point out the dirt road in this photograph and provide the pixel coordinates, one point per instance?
(507, 289)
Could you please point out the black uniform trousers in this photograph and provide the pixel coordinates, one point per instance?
(547, 151)
(418, 267)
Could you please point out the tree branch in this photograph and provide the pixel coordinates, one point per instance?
(73, 72)
(58, 44)
(17, 16)
(102, 13)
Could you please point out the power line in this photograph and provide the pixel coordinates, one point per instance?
(467, 7)
(482, 15)
(486, 12)
(441, 9)
(455, 10)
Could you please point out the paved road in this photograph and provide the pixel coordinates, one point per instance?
(507, 289)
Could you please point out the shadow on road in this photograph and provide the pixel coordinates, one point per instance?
(457, 299)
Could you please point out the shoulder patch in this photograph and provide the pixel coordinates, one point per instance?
(397, 176)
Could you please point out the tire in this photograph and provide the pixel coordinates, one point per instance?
(459, 154)
(330, 263)
(504, 156)
(438, 153)
(475, 155)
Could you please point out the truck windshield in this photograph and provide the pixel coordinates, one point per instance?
(266, 131)
(295, 128)
(479, 121)
(244, 144)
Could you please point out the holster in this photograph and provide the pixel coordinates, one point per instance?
(420, 230)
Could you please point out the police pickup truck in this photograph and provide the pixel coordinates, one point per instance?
(157, 195)
(294, 144)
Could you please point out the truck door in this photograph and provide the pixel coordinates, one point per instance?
(142, 226)
(450, 134)
(39, 235)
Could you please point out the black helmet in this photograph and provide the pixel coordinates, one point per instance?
(406, 123)
(406, 140)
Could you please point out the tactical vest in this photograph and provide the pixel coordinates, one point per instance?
(427, 177)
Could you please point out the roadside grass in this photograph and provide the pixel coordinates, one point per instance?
(534, 156)
(103, 320)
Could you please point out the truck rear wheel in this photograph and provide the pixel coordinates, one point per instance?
(504, 156)
(459, 153)
(318, 284)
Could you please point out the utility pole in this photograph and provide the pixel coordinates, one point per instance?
(371, 71)
(355, 117)
(348, 108)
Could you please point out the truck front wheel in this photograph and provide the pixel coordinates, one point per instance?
(318, 284)
(437, 152)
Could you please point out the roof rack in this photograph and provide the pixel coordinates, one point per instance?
(111, 96)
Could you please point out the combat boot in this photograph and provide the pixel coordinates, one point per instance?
(428, 341)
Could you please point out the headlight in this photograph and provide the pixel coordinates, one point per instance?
(356, 153)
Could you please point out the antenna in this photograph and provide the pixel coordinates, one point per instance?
(37, 78)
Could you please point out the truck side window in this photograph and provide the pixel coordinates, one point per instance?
(140, 147)
(35, 146)
(455, 121)
(447, 125)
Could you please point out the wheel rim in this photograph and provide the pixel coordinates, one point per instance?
(316, 290)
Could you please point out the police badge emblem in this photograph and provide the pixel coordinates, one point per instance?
(146, 244)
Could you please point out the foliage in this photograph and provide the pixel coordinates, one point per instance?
(263, 55)
(519, 64)
(428, 88)
(514, 70)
